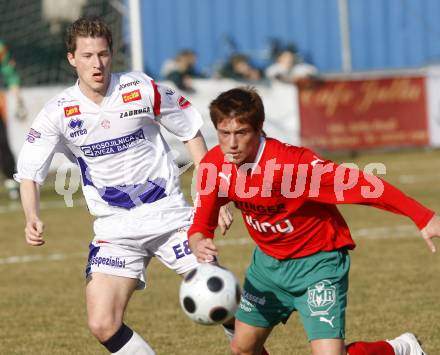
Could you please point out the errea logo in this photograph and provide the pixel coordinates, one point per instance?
(131, 96)
(71, 111)
(76, 125)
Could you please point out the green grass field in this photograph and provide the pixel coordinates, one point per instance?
(394, 280)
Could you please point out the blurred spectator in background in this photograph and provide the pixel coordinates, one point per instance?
(290, 69)
(181, 70)
(12, 81)
(238, 67)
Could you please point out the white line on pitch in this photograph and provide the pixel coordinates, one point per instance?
(45, 205)
(30, 258)
(399, 231)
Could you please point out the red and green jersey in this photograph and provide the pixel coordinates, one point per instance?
(288, 199)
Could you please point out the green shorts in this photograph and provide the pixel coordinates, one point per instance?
(315, 286)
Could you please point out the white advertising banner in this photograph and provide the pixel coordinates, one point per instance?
(280, 100)
(433, 98)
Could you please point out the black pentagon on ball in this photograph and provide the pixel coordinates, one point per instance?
(218, 314)
(215, 284)
(190, 275)
(189, 304)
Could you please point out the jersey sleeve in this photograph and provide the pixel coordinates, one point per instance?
(35, 157)
(175, 113)
(208, 201)
(329, 182)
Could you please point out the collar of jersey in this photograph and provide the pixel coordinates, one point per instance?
(259, 154)
(109, 92)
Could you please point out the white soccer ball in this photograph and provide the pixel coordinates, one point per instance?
(210, 294)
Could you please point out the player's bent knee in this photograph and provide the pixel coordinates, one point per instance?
(104, 322)
(234, 349)
(103, 329)
(237, 349)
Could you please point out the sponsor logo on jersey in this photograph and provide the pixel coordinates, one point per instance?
(131, 96)
(113, 146)
(184, 103)
(127, 85)
(33, 135)
(285, 226)
(261, 209)
(76, 125)
(63, 101)
(70, 111)
(133, 113)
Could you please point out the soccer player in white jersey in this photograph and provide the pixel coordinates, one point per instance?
(109, 123)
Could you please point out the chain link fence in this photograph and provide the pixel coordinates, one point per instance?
(37, 44)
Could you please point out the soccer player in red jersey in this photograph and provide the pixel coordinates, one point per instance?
(288, 196)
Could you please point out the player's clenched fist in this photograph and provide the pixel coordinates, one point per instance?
(203, 248)
(432, 230)
(34, 232)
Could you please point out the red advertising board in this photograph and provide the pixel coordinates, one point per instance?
(361, 114)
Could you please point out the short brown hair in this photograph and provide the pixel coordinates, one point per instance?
(87, 26)
(243, 104)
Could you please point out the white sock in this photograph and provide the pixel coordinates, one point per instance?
(127, 342)
(398, 347)
(136, 346)
(229, 332)
(406, 344)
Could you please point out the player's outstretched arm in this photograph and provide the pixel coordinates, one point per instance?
(197, 149)
(432, 230)
(203, 248)
(30, 200)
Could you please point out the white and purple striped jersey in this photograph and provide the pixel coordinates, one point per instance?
(123, 158)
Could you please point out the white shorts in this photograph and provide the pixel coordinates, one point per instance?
(121, 250)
